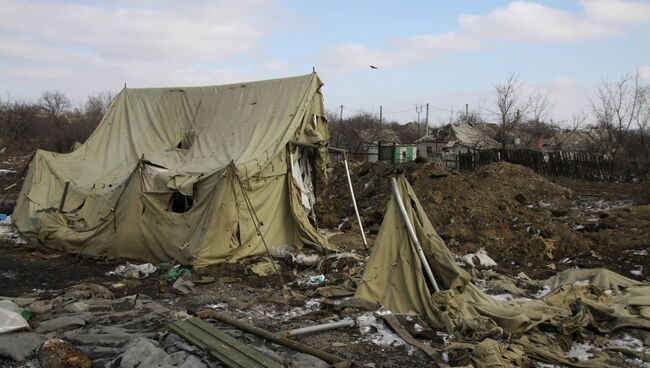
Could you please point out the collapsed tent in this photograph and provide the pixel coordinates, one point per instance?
(394, 278)
(198, 175)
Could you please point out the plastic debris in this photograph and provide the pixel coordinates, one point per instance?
(183, 286)
(174, 272)
(316, 280)
(133, 271)
(265, 267)
(10, 317)
(480, 258)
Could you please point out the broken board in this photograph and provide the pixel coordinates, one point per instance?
(228, 350)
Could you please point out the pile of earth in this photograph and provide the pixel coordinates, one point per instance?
(515, 214)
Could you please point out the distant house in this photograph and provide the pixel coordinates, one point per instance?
(588, 140)
(455, 138)
(382, 144)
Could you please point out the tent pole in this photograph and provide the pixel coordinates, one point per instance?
(412, 235)
(354, 201)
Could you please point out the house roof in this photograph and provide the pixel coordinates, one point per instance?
(377, 135)
(578, 140)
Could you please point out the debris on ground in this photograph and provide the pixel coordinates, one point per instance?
(133, 271)
(532, 242)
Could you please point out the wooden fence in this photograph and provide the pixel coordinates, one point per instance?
(581, 165)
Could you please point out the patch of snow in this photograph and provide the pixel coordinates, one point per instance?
(642, 252)
(445, 356)
(542, 292)
(627, 341)
(582, 283)
(445, 337)
(220, 306)
(481, 284)
(9, 234)
(343, 223)
(384, 336)
(418, 328)
(637, 271)
(6, 171)
(580, 351)
(508, 298)
(311, 305)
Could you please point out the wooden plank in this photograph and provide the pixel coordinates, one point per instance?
(228, 350)
(434, 354)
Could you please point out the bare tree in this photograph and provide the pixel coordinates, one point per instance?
(642, 120)
(97, 104)
(616, 106)
(54, 103)
(514, 106)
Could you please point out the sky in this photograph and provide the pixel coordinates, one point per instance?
(445, 53)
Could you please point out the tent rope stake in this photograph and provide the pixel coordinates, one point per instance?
(411, 232)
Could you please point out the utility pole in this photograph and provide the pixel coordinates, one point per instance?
(418, 110)
(338, 131)
(426, 129)
(380, 115)
(466, 111)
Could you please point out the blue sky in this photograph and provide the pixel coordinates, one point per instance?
(446, 53)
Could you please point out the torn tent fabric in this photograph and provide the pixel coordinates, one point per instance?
(394, 278)
(179, 173)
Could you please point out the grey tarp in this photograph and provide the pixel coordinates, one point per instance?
(207, 148)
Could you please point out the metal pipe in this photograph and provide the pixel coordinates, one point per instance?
(319, 328)
(414, 238)
(335, 360)
(354, 202)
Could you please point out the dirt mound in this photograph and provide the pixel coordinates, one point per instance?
(496, 208)
(504, 177)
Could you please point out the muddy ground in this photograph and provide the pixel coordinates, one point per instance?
(526, 223)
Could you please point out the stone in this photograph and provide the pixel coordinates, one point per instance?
(19, 346)
(57, 353)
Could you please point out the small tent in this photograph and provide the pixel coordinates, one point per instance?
(186, 174)
(394, 278)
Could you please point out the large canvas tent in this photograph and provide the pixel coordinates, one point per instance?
(181, 174)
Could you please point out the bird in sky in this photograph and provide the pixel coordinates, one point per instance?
(373, 67)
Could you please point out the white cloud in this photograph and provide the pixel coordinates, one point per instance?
(532, 22)
(57, 44)
(519, 21)
(273, 66)
(617, 11)
(397, 51)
